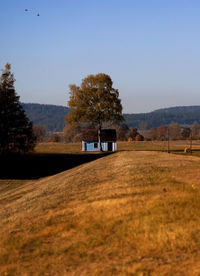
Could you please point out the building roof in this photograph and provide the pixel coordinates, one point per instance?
(91, 135)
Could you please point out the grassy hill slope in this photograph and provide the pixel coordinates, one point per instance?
(129, 213)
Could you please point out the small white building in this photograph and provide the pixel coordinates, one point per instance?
(108, 140)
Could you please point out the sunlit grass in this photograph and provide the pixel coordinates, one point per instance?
(59, 148)
(130, 213)
(75, 148)
(159, 145)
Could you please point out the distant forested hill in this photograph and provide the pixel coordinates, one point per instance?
(183, 115)
(52, 116)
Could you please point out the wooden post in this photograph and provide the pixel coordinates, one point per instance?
(191, 141)
(168, 148)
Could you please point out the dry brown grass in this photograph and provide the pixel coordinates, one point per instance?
(75, 148)
(159, 145)
(130, 213)
(59, 148)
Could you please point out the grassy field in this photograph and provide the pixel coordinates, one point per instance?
(75, 148)
(174, 146)
(129, 213)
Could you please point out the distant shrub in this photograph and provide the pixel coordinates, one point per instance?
(72, 133)
(40, 133)
(139, 137)
(55, 138)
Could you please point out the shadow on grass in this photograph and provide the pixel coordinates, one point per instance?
(34, 166)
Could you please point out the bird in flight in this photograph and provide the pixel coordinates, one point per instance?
(26, 10)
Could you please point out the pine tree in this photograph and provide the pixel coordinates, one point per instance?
(16, 133)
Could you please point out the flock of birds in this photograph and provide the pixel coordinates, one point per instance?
(26, 10)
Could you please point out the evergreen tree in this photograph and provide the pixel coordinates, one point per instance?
(16, 133)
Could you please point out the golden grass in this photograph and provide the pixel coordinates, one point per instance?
(59, 148)
(159, 145)
(130, 213)
(75, 148)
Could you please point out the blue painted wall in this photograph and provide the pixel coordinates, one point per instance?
(90, 146)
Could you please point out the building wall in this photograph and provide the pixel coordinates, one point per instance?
(90, 146)
(114, 146)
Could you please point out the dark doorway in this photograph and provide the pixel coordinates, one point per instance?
(109, 146)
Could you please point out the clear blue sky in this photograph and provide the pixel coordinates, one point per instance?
(150, 48)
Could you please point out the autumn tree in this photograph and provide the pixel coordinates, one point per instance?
(152, 134)
(158, 133)
(186, 132)
(139, 137)
(174, 131)
(122, 131)
(95, 102)
(133, 132)
(72, 133)
(162, 133)
(55, 138)
(195, 130)
(16, 133)
(40, 133)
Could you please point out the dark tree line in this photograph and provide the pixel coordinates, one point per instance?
(49, 116)
(73, 134)
(52, 117)
(174, 132)
(124, 133)
(183, 115)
